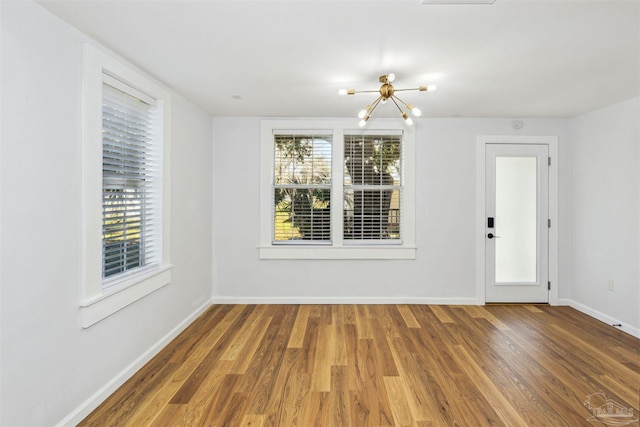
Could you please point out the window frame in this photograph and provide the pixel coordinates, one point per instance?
(377, 187)
(339, 248)
(315, 135)
(97, 301)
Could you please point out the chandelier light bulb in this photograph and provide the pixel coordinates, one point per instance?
(432, 88)
(342, 92)
(391, 77)
(407, 119)
(362, 123)
(415, 111)
(364, 111)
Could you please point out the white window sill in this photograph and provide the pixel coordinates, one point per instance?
(337, 252)
(103, 306)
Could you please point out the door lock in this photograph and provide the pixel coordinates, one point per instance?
(491, 236)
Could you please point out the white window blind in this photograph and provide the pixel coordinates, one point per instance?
(302, 188)
(372, 187)
(131, 182)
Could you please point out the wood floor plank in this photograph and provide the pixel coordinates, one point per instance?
(492, 319)
(386, 364)
(244, 334)
(299, 328)
(252, 420)
(225, 408)
(195, 409)
(316, 412)
(362, 323)
(407, 315)
(418, 393)
(254, 338)
(349, 314)
(324, 359)
(380, 365)
(441, 314)
(532, 308)
(339, 398)
(340, 351)
(399, 403)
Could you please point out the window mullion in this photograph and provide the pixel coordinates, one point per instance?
(337, 191)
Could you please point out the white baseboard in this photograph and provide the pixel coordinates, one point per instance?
(105, 391)
(624, 327)
(344, 300)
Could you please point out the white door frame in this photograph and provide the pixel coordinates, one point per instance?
(481, 145)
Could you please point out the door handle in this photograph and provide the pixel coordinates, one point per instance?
(491, 236)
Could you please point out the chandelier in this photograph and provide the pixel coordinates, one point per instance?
(387, 92)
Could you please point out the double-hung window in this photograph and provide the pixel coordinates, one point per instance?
(131, 172)
(373, 187)
(331, 191)
(126, 186)
(302, 188)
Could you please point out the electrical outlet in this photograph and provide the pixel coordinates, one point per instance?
(610, 285)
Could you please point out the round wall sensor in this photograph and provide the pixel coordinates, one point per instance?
(518, 124)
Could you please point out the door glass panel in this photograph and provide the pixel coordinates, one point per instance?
(516, 220)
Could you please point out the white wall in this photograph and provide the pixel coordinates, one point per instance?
(50, 364)
(606, 213)
(444, 270)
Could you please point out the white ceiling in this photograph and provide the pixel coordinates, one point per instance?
(514, 58)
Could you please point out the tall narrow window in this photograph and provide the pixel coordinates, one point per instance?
(372, 187)
(130, 181)
(126, 185)
(302, 188)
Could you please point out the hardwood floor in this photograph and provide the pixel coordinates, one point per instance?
(381, 365)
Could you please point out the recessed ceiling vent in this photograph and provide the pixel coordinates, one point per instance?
(458, 1)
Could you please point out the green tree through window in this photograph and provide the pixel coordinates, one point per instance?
(302, 188)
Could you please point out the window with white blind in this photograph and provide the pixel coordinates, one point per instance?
(126, 186)
(338, 192)
(372, 187)
(131, 171)
(302, 188)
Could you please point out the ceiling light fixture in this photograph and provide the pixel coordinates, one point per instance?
(387, 91)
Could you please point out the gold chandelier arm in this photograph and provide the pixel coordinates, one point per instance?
(375, 104)
(402, 102)
(415, 111)
(365, 114)
(393, 98)
(404, 115)
(421, 89)
(352, 92)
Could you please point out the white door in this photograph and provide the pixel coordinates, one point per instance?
(516, 225)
